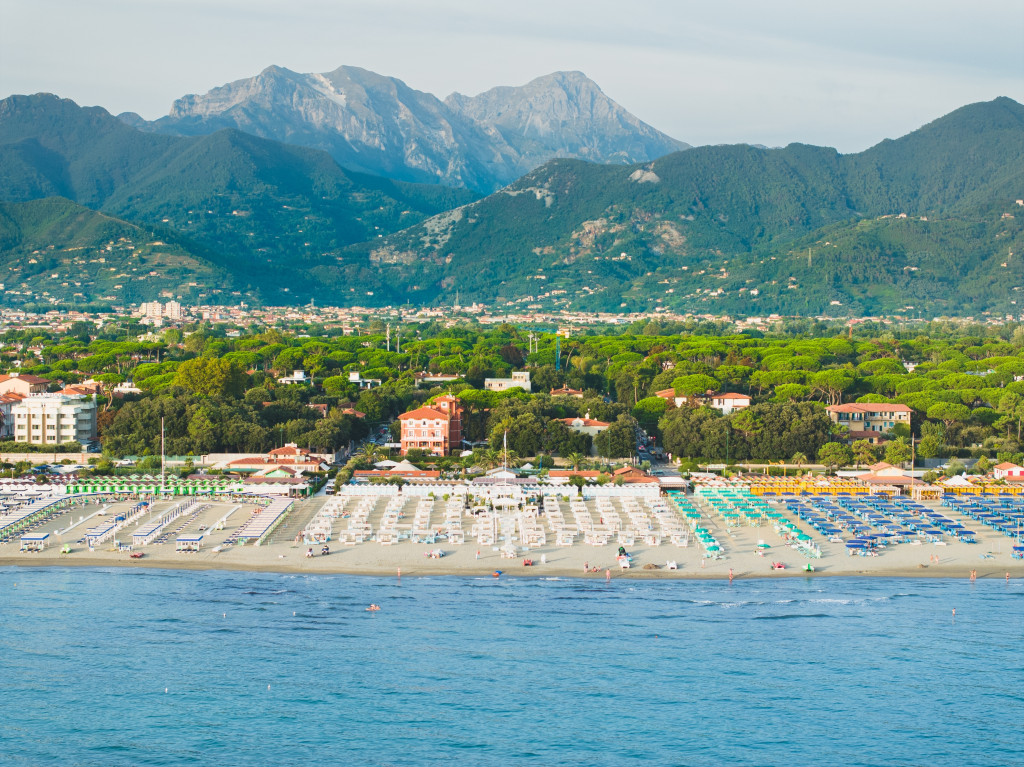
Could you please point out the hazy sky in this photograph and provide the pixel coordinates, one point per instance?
(719, 71)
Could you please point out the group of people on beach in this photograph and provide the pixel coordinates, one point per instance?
(323, 552)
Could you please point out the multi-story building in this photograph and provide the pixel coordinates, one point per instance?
(869, 420)
(520, 379)
(154, 313)
(53, 419)
(436, 428)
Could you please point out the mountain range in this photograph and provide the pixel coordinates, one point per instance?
(376, 124)
(98, 210)
(928, 221)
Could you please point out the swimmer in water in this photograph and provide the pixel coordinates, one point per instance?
(373, 608)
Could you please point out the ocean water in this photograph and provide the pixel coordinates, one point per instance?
(152, 667)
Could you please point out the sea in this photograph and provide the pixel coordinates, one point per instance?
(124, 666)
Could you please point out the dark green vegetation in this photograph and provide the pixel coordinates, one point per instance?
(60, 248)
(726, 229)
(220, 394)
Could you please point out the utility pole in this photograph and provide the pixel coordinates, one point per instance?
(162, 453)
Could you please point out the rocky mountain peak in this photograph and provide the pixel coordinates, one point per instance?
(377, 124)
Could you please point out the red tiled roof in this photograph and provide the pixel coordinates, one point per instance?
(423, 413)
(27, 377)
(585, 422)
(289, 450)
(730, 395)
(869, 407)
(406, 474)
(874, 479)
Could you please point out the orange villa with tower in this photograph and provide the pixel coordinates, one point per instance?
(435, 428)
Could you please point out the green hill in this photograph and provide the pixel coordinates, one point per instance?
(701, 229)
(266, 212)
(55, 249)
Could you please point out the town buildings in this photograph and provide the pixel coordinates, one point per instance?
(154, 313)
(290, 460)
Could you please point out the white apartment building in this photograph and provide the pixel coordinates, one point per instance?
(52, 419)
(153, 312)
(520, 379)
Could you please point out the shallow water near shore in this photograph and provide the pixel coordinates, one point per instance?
(113, 666)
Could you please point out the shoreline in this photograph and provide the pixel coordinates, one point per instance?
(746, 552)
(949, 572)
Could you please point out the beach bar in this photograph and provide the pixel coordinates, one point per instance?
(188, 543)
(34, 541)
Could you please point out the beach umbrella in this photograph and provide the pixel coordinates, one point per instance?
(803, 537)
(764, 546)
(714, 548)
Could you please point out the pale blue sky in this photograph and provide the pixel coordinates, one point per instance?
(839, 74)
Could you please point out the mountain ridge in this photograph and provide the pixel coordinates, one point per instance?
(377, 124)
(716, 211)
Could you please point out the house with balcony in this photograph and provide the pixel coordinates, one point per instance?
(869, 420)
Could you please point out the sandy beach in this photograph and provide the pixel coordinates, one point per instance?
(989, 557)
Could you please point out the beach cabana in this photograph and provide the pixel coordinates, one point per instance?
(188, 543)
(34, 541)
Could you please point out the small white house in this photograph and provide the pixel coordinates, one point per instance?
(297, 377)
(1006, 469)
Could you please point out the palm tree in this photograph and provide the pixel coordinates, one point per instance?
(369, 454)
(799, 459)
(491, 458)
(509, 457)
(575, 460)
